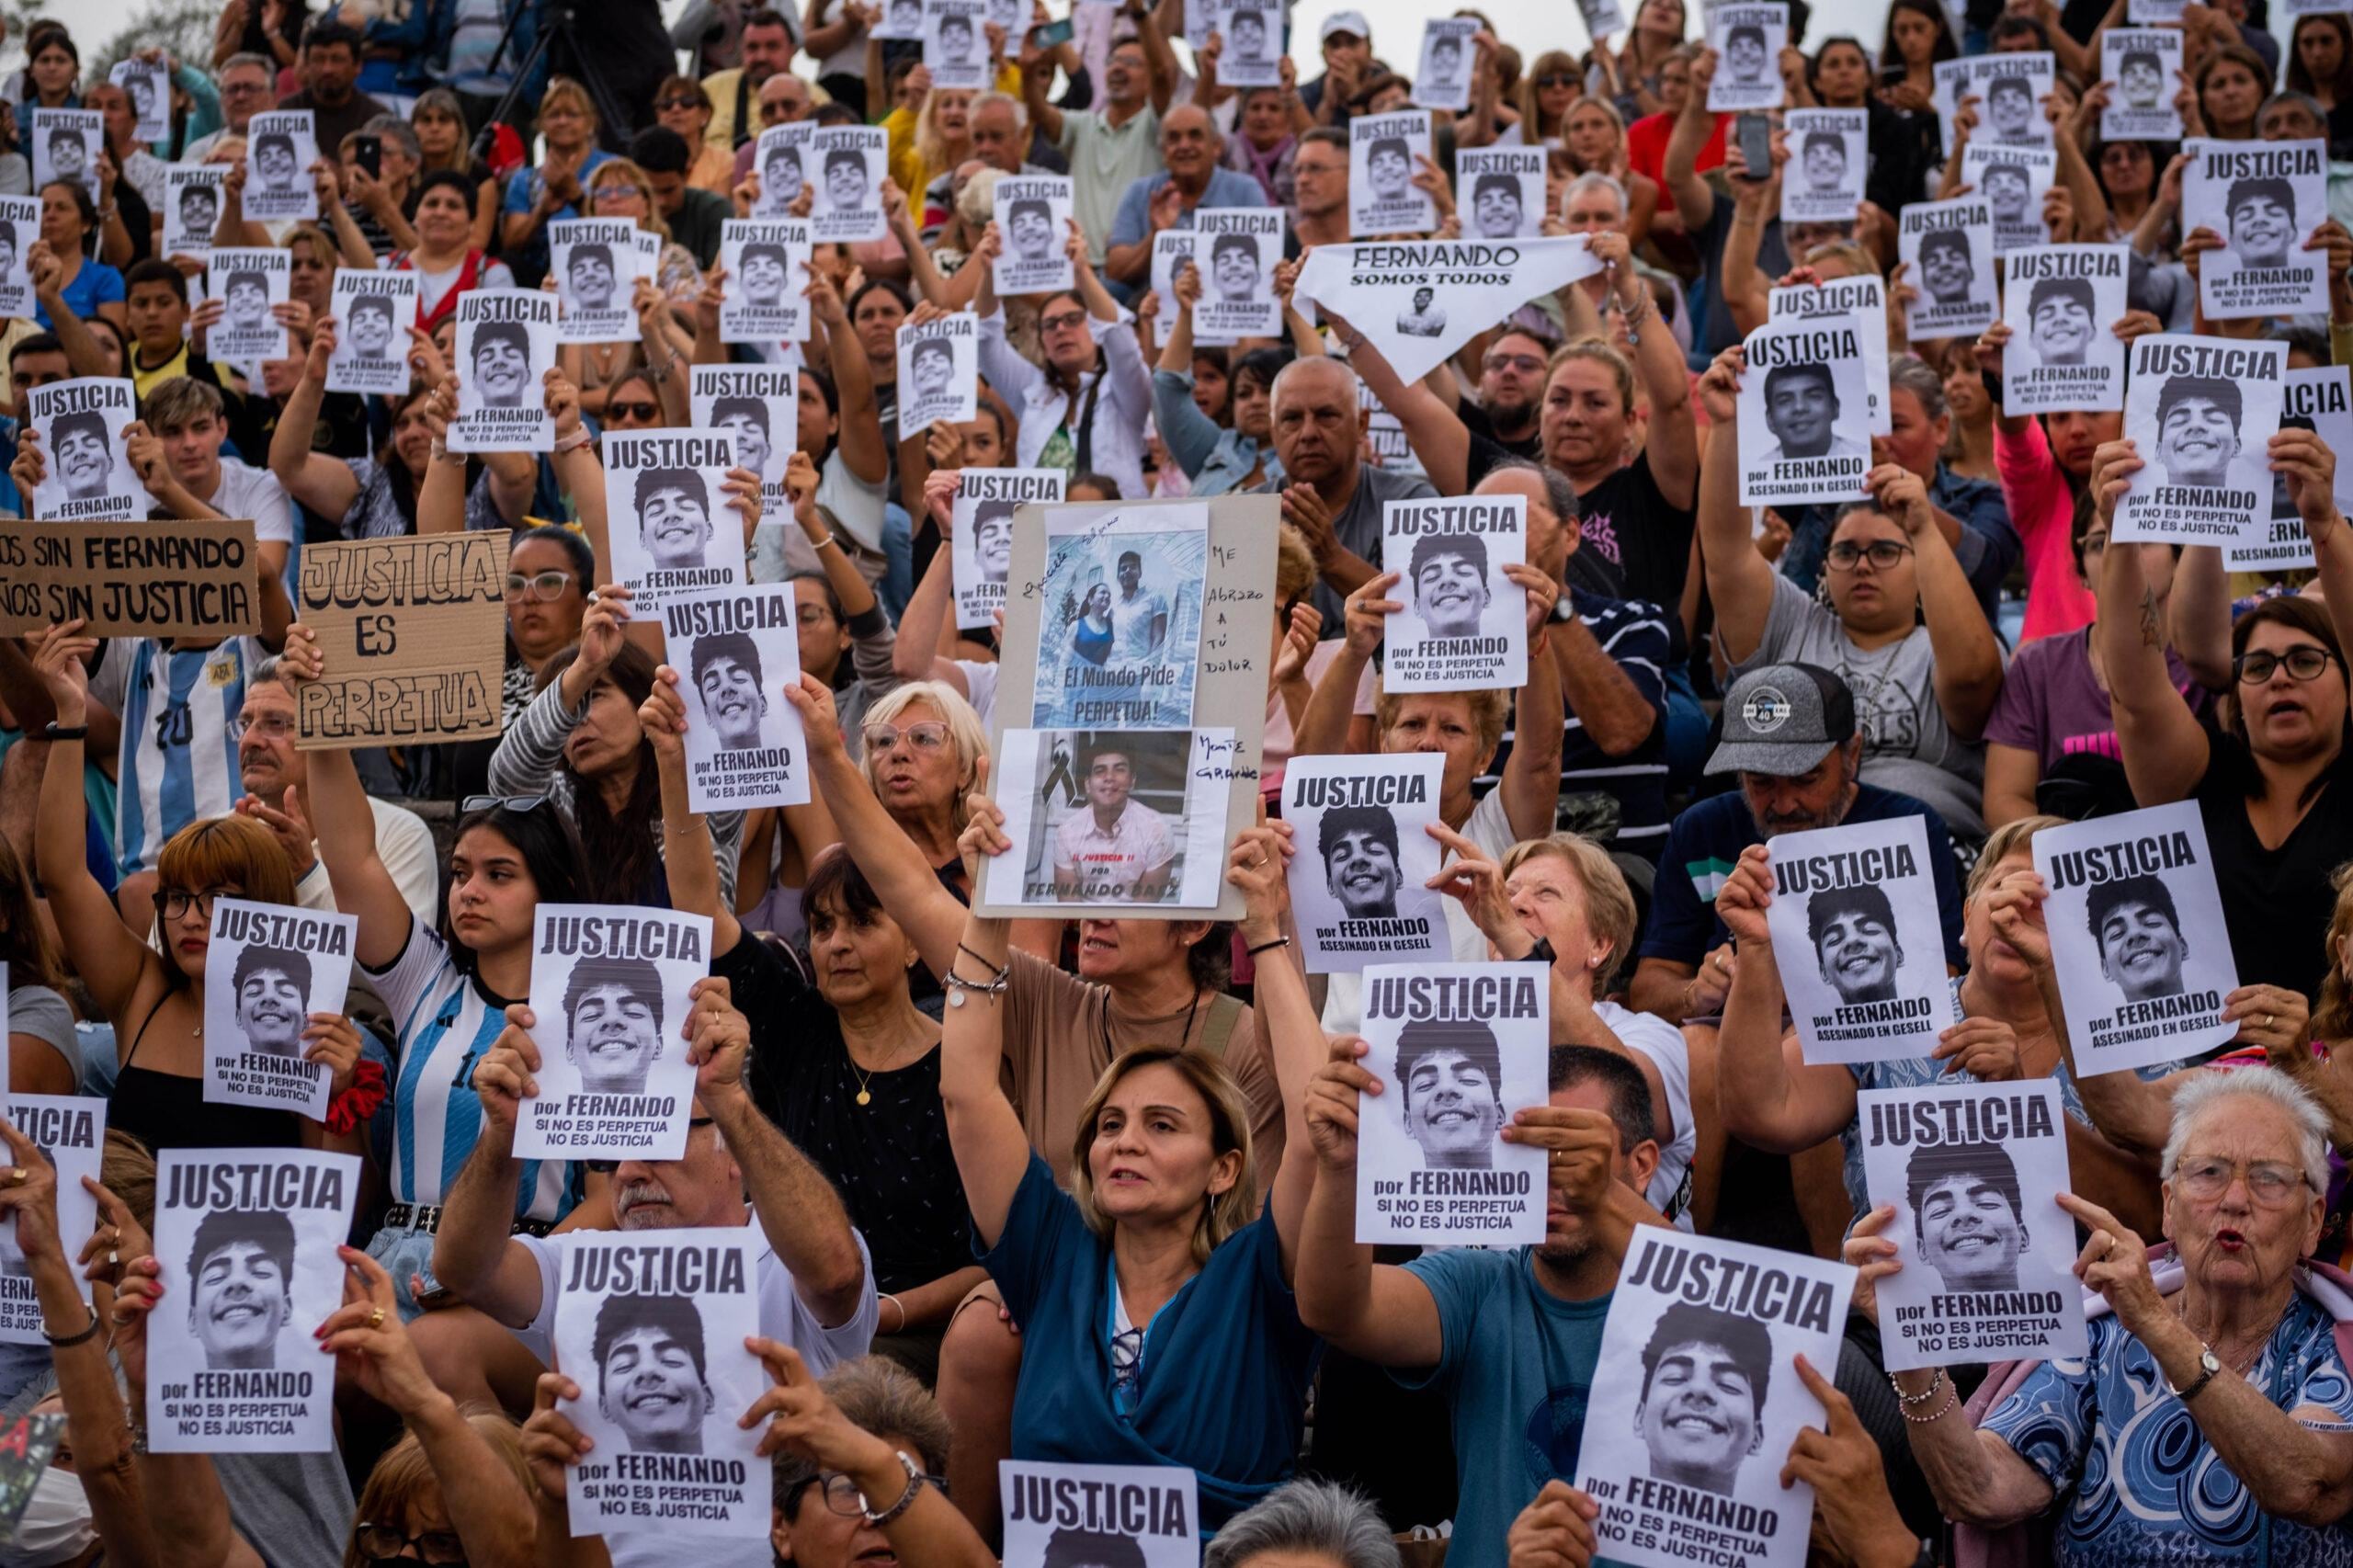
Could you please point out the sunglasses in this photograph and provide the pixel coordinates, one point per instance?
(619, 408)
(681, 101)
(609, 1165)
(501, 803)
(1556, 79)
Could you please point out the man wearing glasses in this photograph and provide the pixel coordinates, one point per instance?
(1511, 394)
(815, 1286)
(246, 89)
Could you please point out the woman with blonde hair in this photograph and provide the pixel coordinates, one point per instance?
(1546, 94)
(567, 128)
(943, 138)
(620, 188)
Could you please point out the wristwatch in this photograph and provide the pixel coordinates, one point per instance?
(2208, 1365)
(1562, 609)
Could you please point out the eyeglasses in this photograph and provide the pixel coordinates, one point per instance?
(1068, 321)
(173, 904)
(2305, 662)
(1526, 364)
(543, 585)
(1556, 79)
(1881, 553)
(2273, 1184)
(272, 726)
(681, 100)
(613, 189)
(615, 408)
(929, 735)
(608, 1166)
(842, 1495)
(382, 1545)
(242, 89)
(1127, 1368)
(502, 803)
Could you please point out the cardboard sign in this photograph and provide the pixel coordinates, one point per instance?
(1358, 883)
(280, 147)
(2061, 304)
(413, 635)
(1695, 1402)
(247, 1240)
(267, 970)
(2137, 935)
(651, 1324)
(1987, 1257)
(739, 652)
(2201, 413)
(1459, 1049)
(1140, 1515)
(608, 985)
(1857, 939)
(197, 580)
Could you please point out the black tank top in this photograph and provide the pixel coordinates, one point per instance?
(165, 1110)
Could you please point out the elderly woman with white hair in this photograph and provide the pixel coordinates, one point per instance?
(2213, 1419)
(1305, 1524)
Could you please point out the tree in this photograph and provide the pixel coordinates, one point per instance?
(184, 28)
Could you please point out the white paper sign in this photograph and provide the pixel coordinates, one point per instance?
(192, 207)
(979, 535)
(2009, 89)
(1356, 884)
(1501, 190)
(2012, 179)
(1858, 940)
(248, 1239)
(608, 984)
(1120, 633)
(373, 311)
(1382, 197)
(900, 20)
(1987, 1257)
(955, 46)
(783, 163)
(759, 403)
(70, 1129)
(2061, 304)
(672, 532)
(851, 163)
(1115, 817)
(738, 650)
(1253, 31)
(88, 476)
(267, 968)
(1444, 79)
(1602, 19)
(1748, 40)
(1459, 1048)
(2314, 400)
(2264, 199)
(149, 87)
(651, 1325)
(940, 371)
(2201, 413)
(506, 347)
(2152, 13)
(1861, 301)
(1464, 626)
(1419, 301)
(1948, 249)
(1805, 414)
(1239, 249)
(1696, 1401)
(1033, 214)
(595, 263)
(2138, 938)
(67, 144)
(1171, 249)
(2142, 66)
(249, 283)
(279, 150)
(20, 227)
(765, 296)
(1829, 154)
(1139, 1515)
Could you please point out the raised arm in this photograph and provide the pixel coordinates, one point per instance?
(1286, 1014)
(864, 451)
(320, 480)
(1767, 1095)
(1322, 731)
(1438, 436)
(1739, 581)
(1036, 76)
(1966, 657)
(2164, 746)
(1695, 200)
(475, 1253)
(1672, 445)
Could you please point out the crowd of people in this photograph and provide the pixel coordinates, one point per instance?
(1085, 1190)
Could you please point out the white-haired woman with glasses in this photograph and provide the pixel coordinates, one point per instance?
(2211, 1420)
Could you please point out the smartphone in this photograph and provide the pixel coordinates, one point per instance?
(1755, 134)
(368, 153)
(1048, 35)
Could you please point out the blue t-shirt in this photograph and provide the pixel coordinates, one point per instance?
(2137, 1482)
(1518, 1366)
(95, 284)
(1222, 1384)
(1227, 188)
(1704, 846)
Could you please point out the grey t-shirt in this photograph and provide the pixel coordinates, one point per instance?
(1907, 746)
(38, 1011)
(294, 1508)
(1357, 528)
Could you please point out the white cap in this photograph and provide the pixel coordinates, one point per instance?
(1345, 22)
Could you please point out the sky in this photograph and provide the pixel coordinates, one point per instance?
(1396, 24)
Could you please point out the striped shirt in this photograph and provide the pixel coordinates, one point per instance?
(178, 758)
(1634, 633)
(446, 1022)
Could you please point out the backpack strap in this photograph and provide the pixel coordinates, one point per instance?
(1225, 1017)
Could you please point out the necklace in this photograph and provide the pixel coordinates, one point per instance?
(1182, 1035)
(866, 1076)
